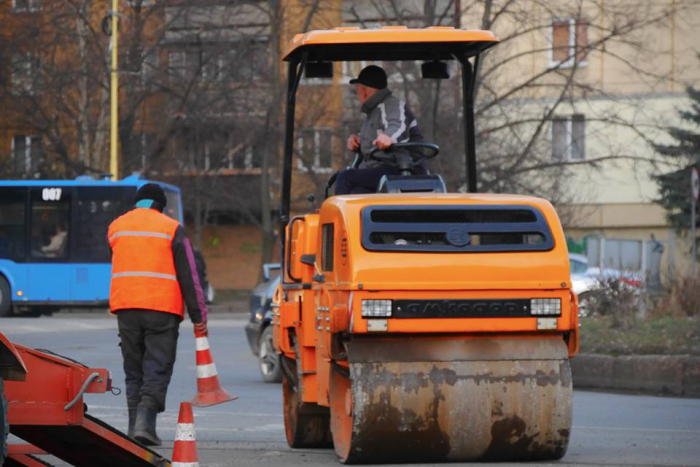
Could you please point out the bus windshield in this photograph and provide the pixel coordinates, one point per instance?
(173, 206)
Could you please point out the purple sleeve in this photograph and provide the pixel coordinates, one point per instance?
(188, 278)
(199, 293)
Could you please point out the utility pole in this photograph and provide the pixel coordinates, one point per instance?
(695, 188)
(114, 93)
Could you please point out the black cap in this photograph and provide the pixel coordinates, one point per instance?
(152, 191)
(371, 76)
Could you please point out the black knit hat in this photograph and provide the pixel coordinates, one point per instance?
(372, 76)
(152, 191)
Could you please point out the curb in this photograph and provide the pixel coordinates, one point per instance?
(677, 375)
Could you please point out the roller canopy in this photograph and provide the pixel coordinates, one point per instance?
(390, 43)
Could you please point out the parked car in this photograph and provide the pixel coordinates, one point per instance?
(586, 281)
(258, 330)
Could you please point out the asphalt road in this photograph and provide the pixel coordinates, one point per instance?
(609, 429)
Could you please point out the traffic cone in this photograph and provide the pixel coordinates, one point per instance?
(185, 447)
(209, 390)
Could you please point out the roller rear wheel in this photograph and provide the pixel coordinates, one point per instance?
(305, 425)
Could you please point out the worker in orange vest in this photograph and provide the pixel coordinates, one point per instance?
(153, 277)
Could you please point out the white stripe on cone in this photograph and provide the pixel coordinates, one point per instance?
(185, 464)
(201, 343)
(206, 371)
(185, 432)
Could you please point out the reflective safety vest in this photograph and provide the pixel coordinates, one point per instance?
(143, 268)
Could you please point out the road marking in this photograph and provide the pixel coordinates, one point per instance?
(653, 430)
(270, 427)
(20, 326)
(203, 415)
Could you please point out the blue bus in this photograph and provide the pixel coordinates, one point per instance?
(53, 240)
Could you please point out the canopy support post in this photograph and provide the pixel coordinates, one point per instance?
(468, 86)
(296, 68)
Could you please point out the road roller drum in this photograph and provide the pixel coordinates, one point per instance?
(513, 405)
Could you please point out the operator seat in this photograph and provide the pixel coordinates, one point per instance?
(411, 184)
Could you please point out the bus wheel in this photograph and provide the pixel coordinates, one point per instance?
(4, 427)
(5, 298)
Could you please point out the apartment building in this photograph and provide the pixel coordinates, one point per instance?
(629, 63)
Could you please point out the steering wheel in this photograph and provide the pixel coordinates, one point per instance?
(425, 151)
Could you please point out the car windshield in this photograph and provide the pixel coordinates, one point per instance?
(578, 267)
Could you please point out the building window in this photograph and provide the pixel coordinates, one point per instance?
(315, 150)
(246, 62)
(26, 5)
(196, 64)
(569, 39)
(136, 159)
(149, 67)
(216, 151)
(140, 3)
(251, 158)
(26, 153)
(569, 138)
(25, 69)
(396, 72)
(212, 67)
(176, 67)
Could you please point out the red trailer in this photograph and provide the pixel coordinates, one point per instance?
(44, 406)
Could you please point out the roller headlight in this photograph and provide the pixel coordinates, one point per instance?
(545, 307)
(376, 308)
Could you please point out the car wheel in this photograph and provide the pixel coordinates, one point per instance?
(585, 304)
(210, 294)
(5, 298)
(267, 357)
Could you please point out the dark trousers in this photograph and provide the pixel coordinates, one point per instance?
(356, 181)
(148, 342)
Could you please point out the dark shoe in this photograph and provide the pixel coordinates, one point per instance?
(132, 421)
(145, 427)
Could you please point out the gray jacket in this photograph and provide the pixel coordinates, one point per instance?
(389, 115)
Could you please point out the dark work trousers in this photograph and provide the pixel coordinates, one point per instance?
(148, 342)
(356, 181)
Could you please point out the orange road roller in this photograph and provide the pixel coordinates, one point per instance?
(415, 325)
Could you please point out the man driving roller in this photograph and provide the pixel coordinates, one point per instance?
(389, 121)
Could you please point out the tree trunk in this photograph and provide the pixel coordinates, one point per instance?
(83, 99)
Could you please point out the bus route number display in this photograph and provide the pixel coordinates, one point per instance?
(51, 194)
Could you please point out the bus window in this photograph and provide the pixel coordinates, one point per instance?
(50, 222)
(96, 208)
(13, 206)
(173, 207)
